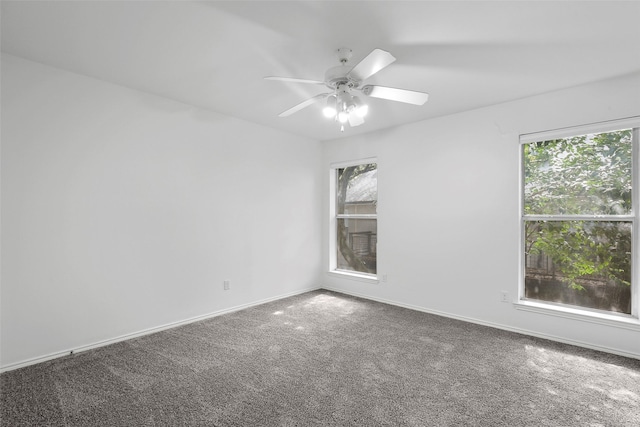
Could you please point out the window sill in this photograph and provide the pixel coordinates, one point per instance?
(616, 320)
(368, 278)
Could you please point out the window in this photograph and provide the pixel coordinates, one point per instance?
(580, 219)
(354, 222)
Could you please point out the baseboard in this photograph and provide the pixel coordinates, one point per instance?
(491, 324)
(148, 331)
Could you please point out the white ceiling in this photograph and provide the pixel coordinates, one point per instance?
(214, 54)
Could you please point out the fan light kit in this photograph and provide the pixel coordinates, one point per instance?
(341, 104)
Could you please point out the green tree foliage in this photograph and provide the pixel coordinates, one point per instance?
(584, 250)
(583, 175)
(589, 174)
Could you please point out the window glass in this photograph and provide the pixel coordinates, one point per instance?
(583, 263)
(357, 239)
(356, 196)
(357, 189)
(578, 220)
(588, 174)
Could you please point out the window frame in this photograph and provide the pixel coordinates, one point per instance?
(632, 320)
(333, 222)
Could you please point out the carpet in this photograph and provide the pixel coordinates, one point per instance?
(327, 359)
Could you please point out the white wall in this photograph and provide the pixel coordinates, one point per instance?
(123, 211)
(448, 219)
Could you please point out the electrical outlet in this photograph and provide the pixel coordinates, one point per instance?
(504, 296)
(226, 285)
(384, 277)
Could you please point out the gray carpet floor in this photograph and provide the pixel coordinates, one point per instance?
(327, 359)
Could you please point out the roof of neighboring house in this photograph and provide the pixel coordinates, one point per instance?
(363, 188)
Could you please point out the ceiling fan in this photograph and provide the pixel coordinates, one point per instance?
(341, 104)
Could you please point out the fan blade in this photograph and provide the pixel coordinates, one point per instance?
(304, 104)
(355, 120)
(293, 80)
(393, 94)
(374, 62)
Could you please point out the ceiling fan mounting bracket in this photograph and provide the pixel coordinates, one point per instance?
(344, 54)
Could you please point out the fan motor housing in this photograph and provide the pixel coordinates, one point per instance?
(337, 76)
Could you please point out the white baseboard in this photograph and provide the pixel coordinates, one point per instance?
(491, 324)
(148, 331)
